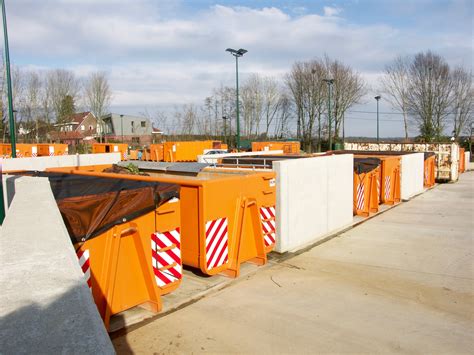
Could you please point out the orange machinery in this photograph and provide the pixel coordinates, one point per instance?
(227, 218)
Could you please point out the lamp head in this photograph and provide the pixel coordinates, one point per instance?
(378, 97)
(236, 53)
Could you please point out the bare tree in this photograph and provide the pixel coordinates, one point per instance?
(308, 90)
(395, 86)
(33, 101)
(430, 94)
(61, 83)
(349, 88)
(283, 116)
(463, 99)
(98, 96)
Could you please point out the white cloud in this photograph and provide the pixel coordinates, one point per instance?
(331, 11)
(155, 55)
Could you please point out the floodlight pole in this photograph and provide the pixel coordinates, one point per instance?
(237, 54)
(9, 83)
(330, 82)
(378, 97)
(121, 125)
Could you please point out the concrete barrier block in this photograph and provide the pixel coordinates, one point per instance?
(42, 163)
(45, 304)
(412, 170)
(314, 197)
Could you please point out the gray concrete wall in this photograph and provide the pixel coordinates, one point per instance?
(314, 198)
(42, 163)
(412, 170)
(45, 305)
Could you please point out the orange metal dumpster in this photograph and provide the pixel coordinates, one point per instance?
(429, 167)
(366, 191)
(157, 152)
(187, 151)
(45, 149)
(227, 218)
(462, 160)
(290, 147)
(121, 148)
(126, 235)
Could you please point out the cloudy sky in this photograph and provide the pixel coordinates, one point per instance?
(161, 53)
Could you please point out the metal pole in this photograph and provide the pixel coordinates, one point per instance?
(378, 97)
(329, 115)
(2, 201)
(343, 128)
(237, 101)
(121, 125)
(9, 83)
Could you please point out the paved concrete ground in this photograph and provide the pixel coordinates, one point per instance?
(401, 282)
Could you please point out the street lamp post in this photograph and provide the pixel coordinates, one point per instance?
(237, 54)
(378, 97)
(9, 83)
(121, 125)
(330, 82)
(225, 118)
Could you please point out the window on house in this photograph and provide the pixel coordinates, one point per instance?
(136, 140)
(133, 126)
(83, 128)
(143, 123)
(90, 128)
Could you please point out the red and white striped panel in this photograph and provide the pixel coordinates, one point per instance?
(125, 155)
(166, 257)
(34, 155)
(217, 243)
(360, 196)
(83, 256)
(387, 187)
(267, 215)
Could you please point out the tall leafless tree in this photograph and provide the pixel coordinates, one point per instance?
(396, 86)
(463, 99)
(348, 89)
(61, 83)
(97, 95)
(430, 95)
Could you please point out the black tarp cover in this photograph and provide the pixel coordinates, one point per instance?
(365, 165)
(91, 205)
(429, 154)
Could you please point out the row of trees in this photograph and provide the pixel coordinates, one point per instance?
(430, 94)
(44, 98)
(423, 88)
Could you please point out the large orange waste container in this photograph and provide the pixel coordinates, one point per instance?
(429, 168)
(462, 160)
(157, 152)
(366, 190)
(50, 149)
(187, 150)
(227, 218)
(290, 147)
(126, 235)
(121, 148)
